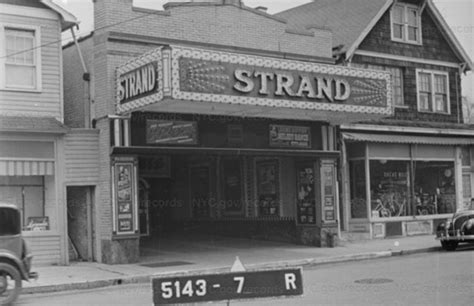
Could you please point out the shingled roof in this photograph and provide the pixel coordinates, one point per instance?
(347, 19)
(351, 20)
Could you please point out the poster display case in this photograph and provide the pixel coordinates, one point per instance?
(268, 188)
(125, 211)
(306, 197)
(328, 191)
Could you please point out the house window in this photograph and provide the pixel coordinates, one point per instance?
(433, 95)
(406, 23)
(21, 61)
(397, 81)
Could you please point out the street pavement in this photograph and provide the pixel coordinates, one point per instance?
(205, 254)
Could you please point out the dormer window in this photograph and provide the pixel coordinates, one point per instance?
(406, 23)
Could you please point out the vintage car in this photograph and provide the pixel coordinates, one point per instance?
(460, 228)
(15, 259)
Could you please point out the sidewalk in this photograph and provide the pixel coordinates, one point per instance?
(217, 255)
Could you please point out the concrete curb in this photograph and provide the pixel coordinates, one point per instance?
(310, 262)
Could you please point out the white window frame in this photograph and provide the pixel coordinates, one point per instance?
(432, 74)
(37, 55)
(405, 39)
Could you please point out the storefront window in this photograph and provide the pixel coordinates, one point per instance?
(358, 192)
(389, 188)
(435, 191)
(267, 188)
(27, 193)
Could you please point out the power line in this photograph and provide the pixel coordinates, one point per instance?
(101, 28)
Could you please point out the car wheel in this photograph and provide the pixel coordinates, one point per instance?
(449, 245)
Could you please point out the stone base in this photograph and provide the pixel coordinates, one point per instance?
(316, 236)
(123, 251)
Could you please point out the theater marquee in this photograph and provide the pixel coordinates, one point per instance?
(190, 74)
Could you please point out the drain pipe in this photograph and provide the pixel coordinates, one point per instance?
(86, 77)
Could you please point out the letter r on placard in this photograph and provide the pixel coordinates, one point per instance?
(290, 279)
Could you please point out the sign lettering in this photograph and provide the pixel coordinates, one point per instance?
(226, 286)
(137, 83)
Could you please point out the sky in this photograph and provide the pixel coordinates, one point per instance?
(457, 13)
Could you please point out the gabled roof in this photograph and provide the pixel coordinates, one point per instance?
(352, 20)
(68, 20)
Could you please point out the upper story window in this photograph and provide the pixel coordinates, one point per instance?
(433, 91)
(406, 23)
(397, 81)
(20, 58)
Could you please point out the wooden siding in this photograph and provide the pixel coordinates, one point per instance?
(46, 249)
(434, 46)
(82, 156)
(46, 103)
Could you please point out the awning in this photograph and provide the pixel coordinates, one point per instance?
(26, 167)
(32, 125)
(254, 111)
(409, 139)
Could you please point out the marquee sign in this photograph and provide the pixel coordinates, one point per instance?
(199, 75)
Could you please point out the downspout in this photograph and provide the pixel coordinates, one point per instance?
(86, 77)
(462, 69)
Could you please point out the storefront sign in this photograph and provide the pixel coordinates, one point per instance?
(185, 74)
(125, 196)
(137, 83)
(171, 132)
(290, 136)
(271, 84)
(226, 286)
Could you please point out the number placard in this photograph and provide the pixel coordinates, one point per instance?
(226, 286)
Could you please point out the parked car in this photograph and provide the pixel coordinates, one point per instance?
(460, 228)
(15, 259)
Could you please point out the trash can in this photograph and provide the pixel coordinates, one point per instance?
(331, 240)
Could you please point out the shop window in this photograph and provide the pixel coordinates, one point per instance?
(389, 188)
(358, 189)
(268, 188)
(435, 191)
(406, 23)
(199, 179)
(27, 193)
(433, 93)
(306, 196)
(21, 63)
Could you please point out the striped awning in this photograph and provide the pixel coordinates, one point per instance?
(26, 167)
(409, 139)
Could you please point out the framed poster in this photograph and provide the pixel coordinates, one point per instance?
(171, 132)
(268, 188)
(290, 136)
(329, 196)
(125, 197)
(305, 193)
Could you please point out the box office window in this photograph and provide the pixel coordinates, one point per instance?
(232, 186)
(28, 194)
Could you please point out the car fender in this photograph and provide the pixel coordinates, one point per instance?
(8, 257)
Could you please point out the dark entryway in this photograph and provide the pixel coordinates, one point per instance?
(80, 224)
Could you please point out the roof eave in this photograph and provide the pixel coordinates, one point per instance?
(455, 44)
(68, 20)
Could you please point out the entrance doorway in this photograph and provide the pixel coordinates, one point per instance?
(80, 222)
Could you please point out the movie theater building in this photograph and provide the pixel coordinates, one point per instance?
(223, 125)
